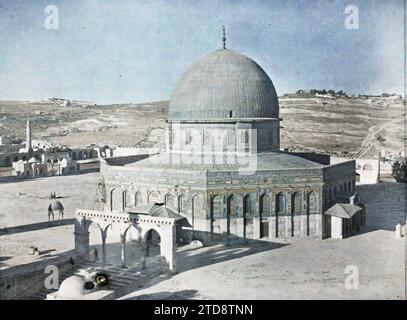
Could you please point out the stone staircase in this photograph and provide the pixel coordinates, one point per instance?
(121, 280)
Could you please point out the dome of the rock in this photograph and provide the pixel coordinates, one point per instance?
(224, 84)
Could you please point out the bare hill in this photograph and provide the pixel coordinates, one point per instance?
(339, 125)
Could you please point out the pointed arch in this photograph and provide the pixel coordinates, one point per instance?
(153, 196)
(112, 199)
(138, 198)
(181, 204)
(280, 204)
(169, 200)
(126, 199)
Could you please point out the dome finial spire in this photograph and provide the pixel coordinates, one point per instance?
(224, 37)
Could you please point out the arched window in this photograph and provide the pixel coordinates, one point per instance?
(113, 200)
(216, 213)
(153, 196)
(138, 198)
(349, 186)
(265, 205)
(313, 202)
(296, 203)
(169, 201)
(232, 206)
(126, 199)
(181, 200)
(248, 205)
(280, 204)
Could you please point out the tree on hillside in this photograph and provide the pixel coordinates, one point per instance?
(399, 171)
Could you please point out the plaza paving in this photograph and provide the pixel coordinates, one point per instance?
(303, 269)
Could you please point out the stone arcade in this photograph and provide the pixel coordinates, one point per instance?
(223, 168)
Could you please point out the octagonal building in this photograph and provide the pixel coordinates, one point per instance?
(222, 167)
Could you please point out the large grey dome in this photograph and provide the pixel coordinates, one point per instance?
(224, 84)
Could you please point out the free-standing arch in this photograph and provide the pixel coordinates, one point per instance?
(166, 227)
(152, 239)
(163, 239)
(100, 230)
(128, 257)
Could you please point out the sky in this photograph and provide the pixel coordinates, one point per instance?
(111, 51)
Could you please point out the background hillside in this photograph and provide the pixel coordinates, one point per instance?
(337, 125)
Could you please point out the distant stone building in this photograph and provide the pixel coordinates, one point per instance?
(50, 160)
(10, 153)
(31, 168)
(368, 171)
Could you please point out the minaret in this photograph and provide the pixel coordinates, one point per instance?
(28, 136)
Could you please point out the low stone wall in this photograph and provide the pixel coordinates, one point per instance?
(22, 281)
